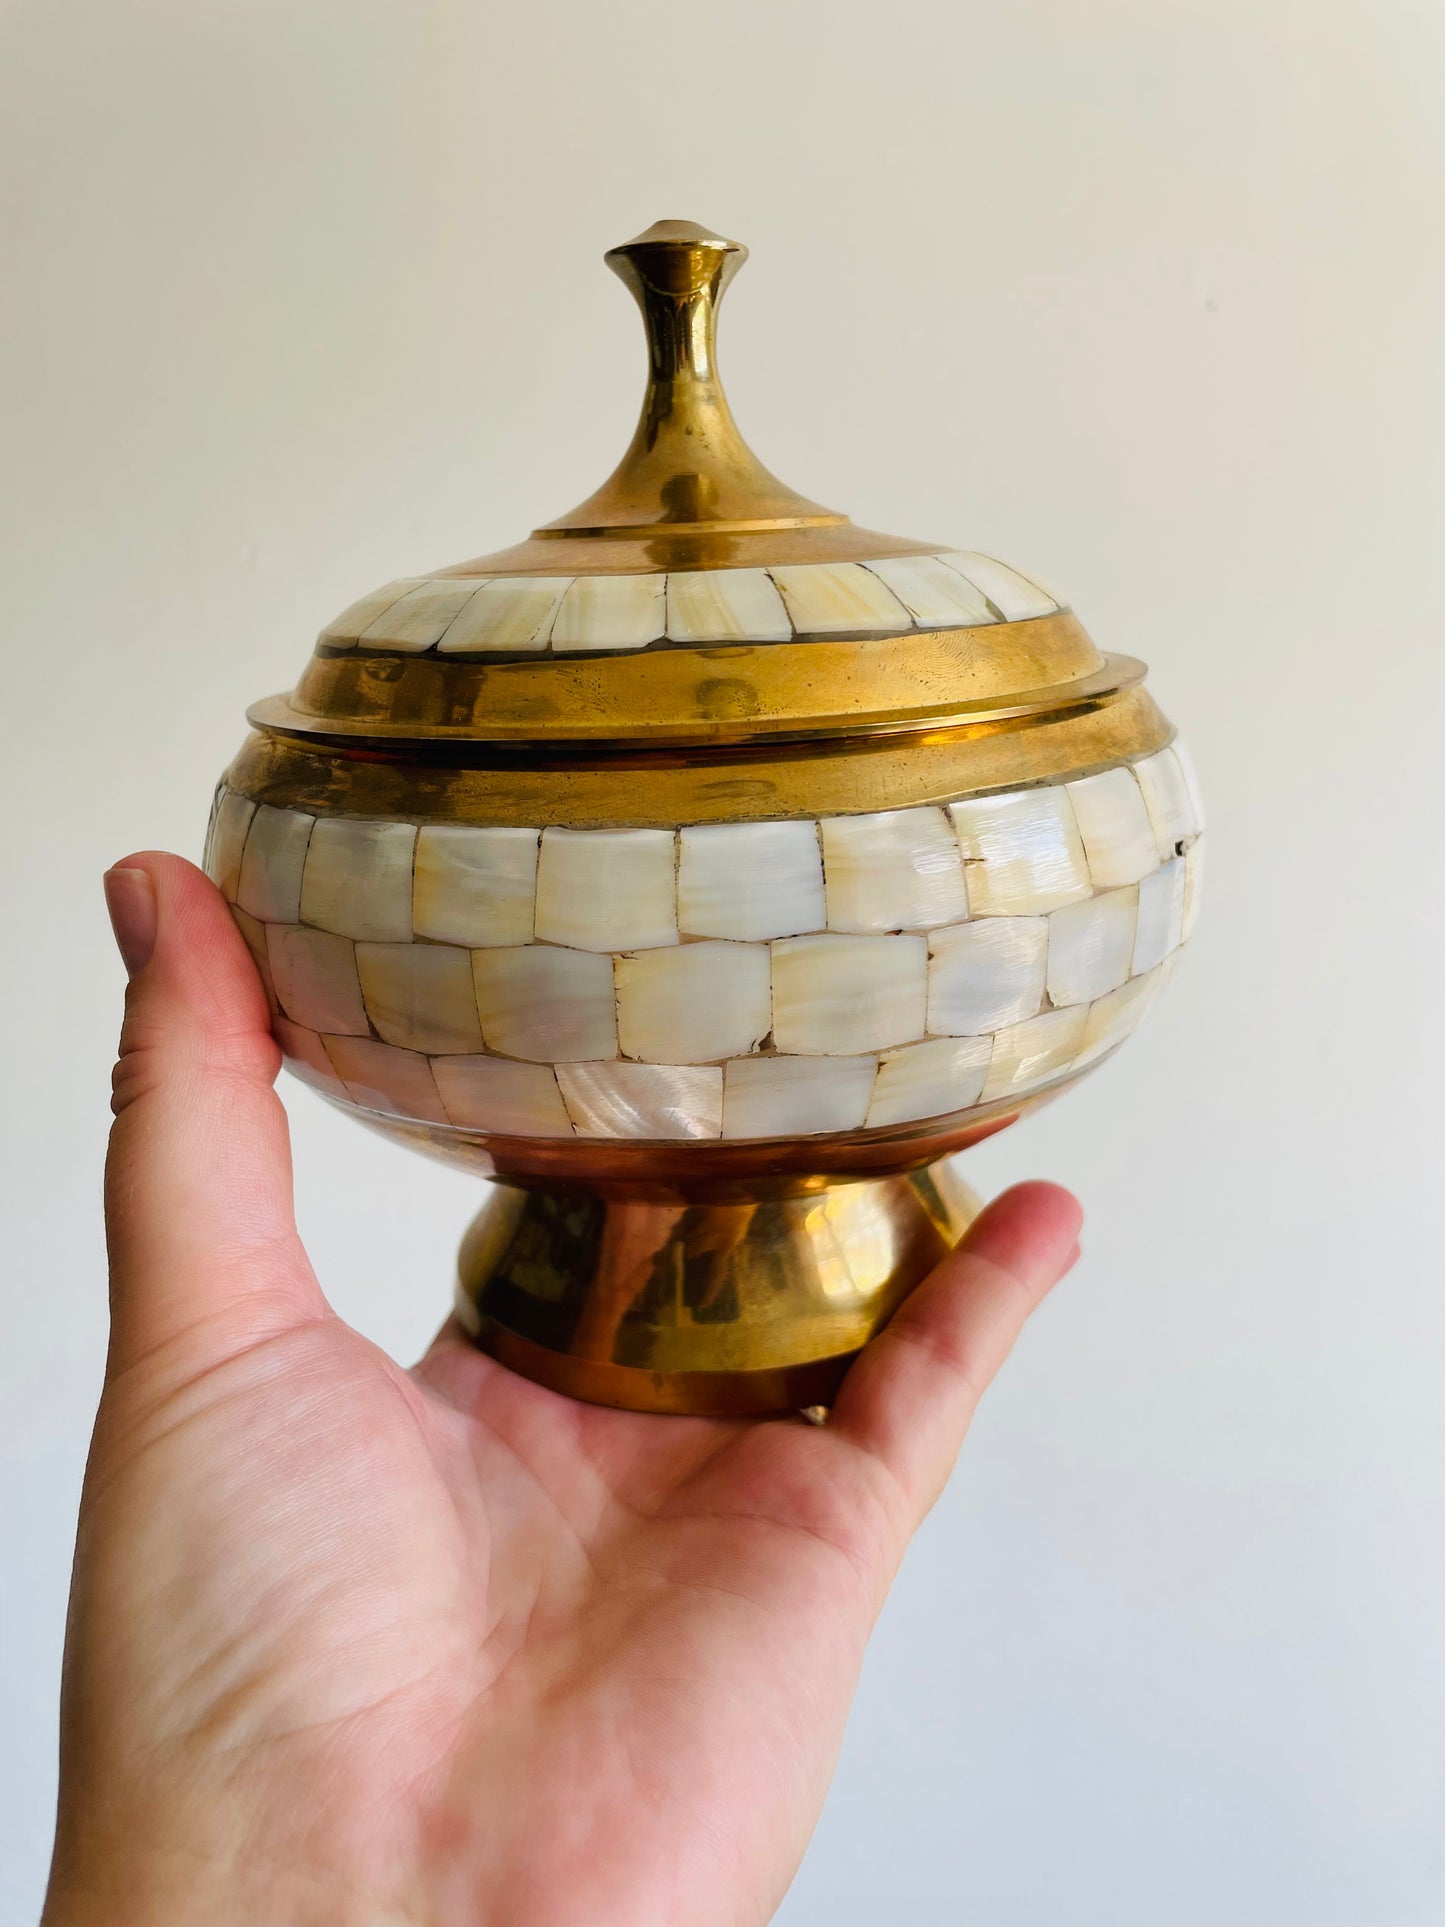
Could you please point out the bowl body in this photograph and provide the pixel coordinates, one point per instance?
(533, 992)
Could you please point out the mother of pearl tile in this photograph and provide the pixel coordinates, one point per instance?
(611, 612)
(357, 880)
(929, 1080)
(694, 1003)
(1029, 1054)
(1016, 598)
(725, 605)
(1111, 1018)
(793, 1096)
(382, 1078)
(1166, 797)
(270, 881)
(421, 617)
(1022, 852)
(936, 596)
(892, 870)
(986, 974)
(227, 842)
(306, 1057)
(1090, 946)
(511, 612)
(750, 880)
(1161, 915)
(420, 995)
(607, 889)
(839, 598)
(495, 1094)
(834, 996)
(1118, 835)
(315, 978)
(475, 886)
(643, 1100)
(343, 630)
(546, 1004)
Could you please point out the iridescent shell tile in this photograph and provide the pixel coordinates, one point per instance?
(725, 605)
(343, 631)
(929, 1080)
(511, 614)
(358, 879)
(840, 598)
(936, 596)
(546, 1004)
(643, 1100)
(1161, 915)
(611, 612)
(1167, 799)
(420, 995)
(796, 1096)
(892, 870)
(985, 975)
(836, 996)
(694, 1003)
(1091, 945)
(382, 1078)
(306, 1057)
(1022, 852)
(422, 616)
(750, 881)
(497, 1095)
(1033, 1053)
(1118, 836)
(315, 977)
(1016, 597)
(228, 841)
(269, 887)
(475, 886)
(607, 889)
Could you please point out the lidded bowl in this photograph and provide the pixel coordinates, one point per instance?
(707, 871)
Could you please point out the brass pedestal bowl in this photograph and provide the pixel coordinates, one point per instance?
(705, 872)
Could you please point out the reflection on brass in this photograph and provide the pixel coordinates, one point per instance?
(724, 694)
(701, 1305)
(869, 773)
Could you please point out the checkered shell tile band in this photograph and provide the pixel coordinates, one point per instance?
(721, 981)
(523, 616)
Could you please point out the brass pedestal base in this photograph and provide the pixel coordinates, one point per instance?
(709, 1303)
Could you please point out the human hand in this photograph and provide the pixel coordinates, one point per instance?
(350, 1643)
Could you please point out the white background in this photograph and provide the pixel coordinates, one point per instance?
(1144, 294)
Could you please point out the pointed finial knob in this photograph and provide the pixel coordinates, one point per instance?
(688, 467)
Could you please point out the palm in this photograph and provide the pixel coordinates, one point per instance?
(630, 1641)
(354, 1643)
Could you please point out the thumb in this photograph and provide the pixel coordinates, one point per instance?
(199, 1221)
(909, 1398)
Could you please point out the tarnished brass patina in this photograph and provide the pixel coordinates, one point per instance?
(701, 1273)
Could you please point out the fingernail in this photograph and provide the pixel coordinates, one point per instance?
(130, 897)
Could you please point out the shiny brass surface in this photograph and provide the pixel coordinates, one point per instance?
(689, 493)
(701, 1305)
(470, 784)
(740, 692)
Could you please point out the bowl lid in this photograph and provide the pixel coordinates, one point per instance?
(694, 597)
